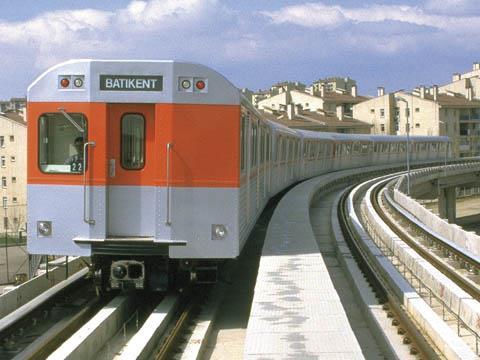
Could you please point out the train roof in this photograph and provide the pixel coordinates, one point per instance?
(368, 137)
(413, 138)
(282, 128)
(132, 81)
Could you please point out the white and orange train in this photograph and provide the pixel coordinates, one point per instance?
(161, 168)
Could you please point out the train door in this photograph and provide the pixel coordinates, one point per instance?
(131, 165)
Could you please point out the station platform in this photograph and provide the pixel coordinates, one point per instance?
(298, 310)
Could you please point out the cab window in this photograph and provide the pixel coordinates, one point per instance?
(61, 140)
(133, 141)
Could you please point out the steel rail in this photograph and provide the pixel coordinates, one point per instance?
(460, 280)
(465, 255)
(171, 340)
(379, 284)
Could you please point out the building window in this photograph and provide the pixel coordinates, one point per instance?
(12, 158)
(12, 138)
(382, 127)
(417, 109)
(14, 179)
(4, 182)
(2, 161)
(2, 141)
(417, 125)
(372, 111)
(15, 220)
(4, 202)
(382, 112)
(14, 200)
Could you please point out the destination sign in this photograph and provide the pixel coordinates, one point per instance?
(131, 83)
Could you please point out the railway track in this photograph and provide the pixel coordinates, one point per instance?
(442, 275)
(35, 329)
(425, 242)
(406, 328)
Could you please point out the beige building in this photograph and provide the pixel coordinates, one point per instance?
(332, 84)
(430, 113)
(295, 117)
(324, 101)
(378, 111)
(276, 89)
(13, 171)
(14, 104)
(467, 84)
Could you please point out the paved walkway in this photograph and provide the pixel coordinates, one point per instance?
(296, 311)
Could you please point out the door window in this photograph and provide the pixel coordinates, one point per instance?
(133, 141)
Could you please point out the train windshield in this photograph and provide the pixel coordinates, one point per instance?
(61, 139)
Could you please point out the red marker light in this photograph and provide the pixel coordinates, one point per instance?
(64, 82)
(200, 84)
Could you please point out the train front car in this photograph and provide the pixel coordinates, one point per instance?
(135, 163)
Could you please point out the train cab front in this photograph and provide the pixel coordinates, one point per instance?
(126, 166)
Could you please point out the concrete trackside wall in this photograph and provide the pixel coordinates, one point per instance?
(25, 292)
(468, 240)
(444, 288)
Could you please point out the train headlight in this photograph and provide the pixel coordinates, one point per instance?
(44, 228)
(119, 271)
(186, 84)
(219, 231)
(78, 82)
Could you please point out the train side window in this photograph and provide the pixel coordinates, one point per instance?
(311, 150)
(243, 131)
(268, 146)
(254, 146)
(277, 149)
(262, 145)
(133, 141)
(60, 142)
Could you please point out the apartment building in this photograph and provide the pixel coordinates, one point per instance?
(295, 117)
(276, 89)
(323, 101)
(13, 171)
(429, 113)
(379, 112)
(334, 83)
(14, 104)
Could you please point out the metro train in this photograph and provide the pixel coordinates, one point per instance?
(158, 170)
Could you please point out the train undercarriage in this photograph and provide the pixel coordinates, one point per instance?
(152, 273)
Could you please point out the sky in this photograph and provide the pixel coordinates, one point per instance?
(396, 44)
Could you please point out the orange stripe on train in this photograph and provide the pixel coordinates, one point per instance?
(206, 150)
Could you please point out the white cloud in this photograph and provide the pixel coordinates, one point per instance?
(309, 15)
(59, 35)
(155, 14)
(318, 15)
(57, 26)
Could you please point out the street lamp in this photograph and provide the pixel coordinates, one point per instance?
(407, 113)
